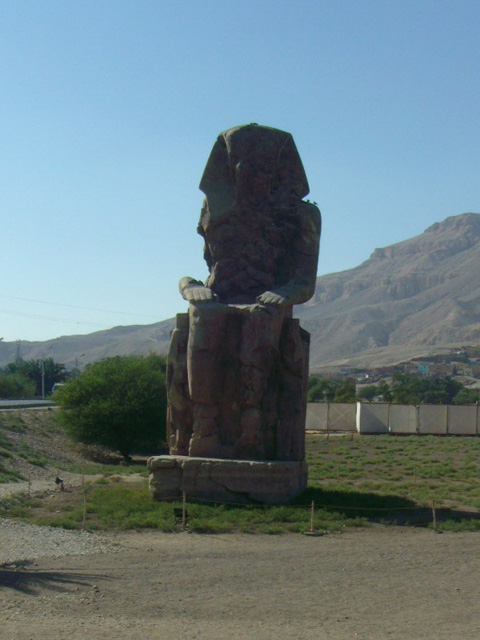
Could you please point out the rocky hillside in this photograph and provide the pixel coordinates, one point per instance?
(76, 351)
(416, 297)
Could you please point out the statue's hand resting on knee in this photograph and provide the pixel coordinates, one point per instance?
(195, 291)
(293, 292)
(274, 299)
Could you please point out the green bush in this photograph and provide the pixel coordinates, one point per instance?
(119, 403)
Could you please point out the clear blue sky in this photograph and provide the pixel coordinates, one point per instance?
(109, 109)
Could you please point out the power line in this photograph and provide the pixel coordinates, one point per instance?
(50, 318)
(73, 306)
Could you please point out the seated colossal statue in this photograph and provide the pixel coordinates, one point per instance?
(238, 361)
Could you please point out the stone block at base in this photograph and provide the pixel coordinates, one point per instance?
(212, 479)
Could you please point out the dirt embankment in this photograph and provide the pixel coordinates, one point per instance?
(34, 451)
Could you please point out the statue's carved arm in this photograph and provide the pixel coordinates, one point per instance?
(195, 291)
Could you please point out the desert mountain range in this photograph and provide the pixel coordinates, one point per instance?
(413, 298)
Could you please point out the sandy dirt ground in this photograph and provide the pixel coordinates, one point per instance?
(372, 584)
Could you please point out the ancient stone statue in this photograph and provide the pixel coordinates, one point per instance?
(238, 362)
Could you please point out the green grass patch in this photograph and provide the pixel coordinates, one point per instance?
(9, 475)
(107, 470)
(120, 506)
(353, 481)
(18, 505)
(417, 471)
(420, 469)
(13, 421)
(124, 507)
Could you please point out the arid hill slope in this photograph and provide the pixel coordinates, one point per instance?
(412, 298)
(76, 351)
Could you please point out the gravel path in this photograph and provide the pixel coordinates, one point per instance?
(41, 485)
(36, 486)
(26, 542)
(20, 541)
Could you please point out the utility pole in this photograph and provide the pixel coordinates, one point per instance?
(18, 357)
(43, 379)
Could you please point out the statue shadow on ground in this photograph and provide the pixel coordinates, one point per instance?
(377, 508)
(20, 577)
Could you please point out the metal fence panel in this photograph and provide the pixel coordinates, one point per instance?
(342, 417)
(403, 418)
(337, 417)
(462, 420)
(317, 413)
(372, 418)
(432, 418)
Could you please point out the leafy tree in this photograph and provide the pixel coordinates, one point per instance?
(321, 389)
(409, 389)
(326, 390)
(43, 375)
(467, 396)
(367, 393)
(119, 403)
(346, 391)
(405, 388)
(16, 385)
(384, 390)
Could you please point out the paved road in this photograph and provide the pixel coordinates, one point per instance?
(25, 404)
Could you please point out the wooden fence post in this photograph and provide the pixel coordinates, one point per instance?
(184, 510)
(84, 517)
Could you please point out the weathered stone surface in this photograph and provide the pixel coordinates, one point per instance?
(238, 361)
(243, 481)
(235, 426)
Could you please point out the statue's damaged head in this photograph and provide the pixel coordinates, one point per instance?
(250, 166)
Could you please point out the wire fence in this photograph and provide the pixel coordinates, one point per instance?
(181, 514)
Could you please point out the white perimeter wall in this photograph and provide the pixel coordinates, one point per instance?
(463, 420)
(331, 416)
(372, 418)
(431, 419)
(403, 418)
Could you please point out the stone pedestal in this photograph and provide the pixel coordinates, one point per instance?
(217, 480)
